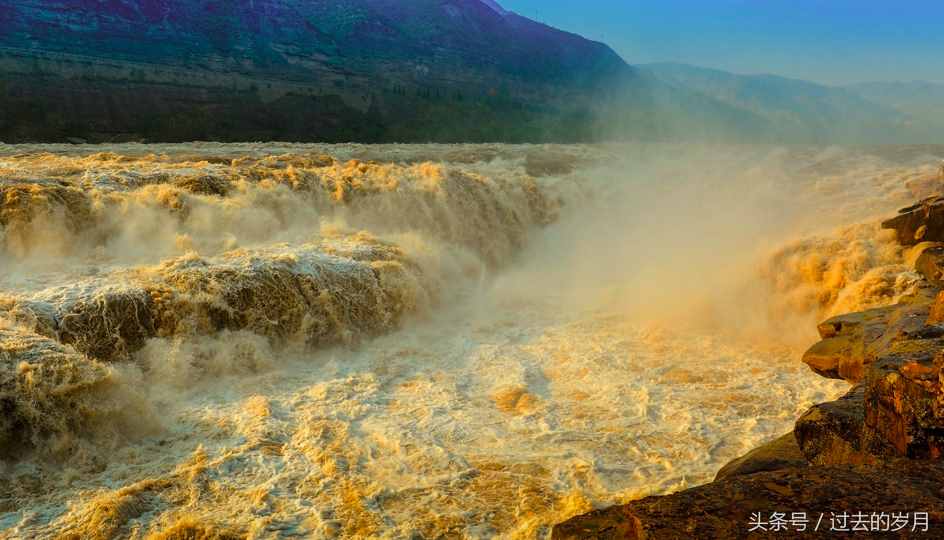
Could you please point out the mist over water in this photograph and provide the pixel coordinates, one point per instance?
(350, 341)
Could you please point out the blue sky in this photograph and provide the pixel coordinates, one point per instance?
(830, 41)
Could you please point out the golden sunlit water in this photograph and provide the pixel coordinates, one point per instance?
(413, 341)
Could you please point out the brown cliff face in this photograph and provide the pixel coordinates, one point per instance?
(905, 404)
(921, 222)
(894, 354)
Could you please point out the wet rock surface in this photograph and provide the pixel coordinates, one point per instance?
(780, 453)
(929, 263)
(727, 508)
(851, 342)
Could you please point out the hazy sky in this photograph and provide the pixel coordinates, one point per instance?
(831, 41)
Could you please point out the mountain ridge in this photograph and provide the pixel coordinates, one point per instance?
(792, 109)
(384, 71)
(921, 101)
(359, 62)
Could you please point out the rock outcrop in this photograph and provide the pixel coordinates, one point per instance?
(929, 262)
(815, 502)
(876, 449)
(853, 341)
(780, 453)
(922, 222)
(834, 432)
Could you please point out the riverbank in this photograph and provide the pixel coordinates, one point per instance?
(867, 463)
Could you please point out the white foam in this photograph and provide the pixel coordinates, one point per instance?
(615, 354)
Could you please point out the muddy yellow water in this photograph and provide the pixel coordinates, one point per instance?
(413, 341)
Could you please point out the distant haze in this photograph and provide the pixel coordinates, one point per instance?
(833, 42)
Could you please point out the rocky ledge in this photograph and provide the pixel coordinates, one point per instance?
(866, 464)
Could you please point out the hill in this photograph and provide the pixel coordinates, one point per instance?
(390, 71)
(921, 101)
(329, 70)
(786, 109)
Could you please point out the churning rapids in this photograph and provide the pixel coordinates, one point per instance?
(419, 341)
